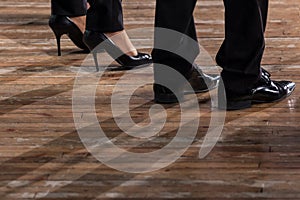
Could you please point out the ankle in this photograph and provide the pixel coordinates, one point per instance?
(80, 22)
(121, 39)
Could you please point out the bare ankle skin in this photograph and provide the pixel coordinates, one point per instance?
(121, 39)
(80, 21)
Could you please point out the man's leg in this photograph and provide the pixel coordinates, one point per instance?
(242, 50)
(177, 47)
(175, 15)
(240, 57)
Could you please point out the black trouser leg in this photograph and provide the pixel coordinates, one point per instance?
(242, 50)
(105, 16)
(70, 8)
(175, 15)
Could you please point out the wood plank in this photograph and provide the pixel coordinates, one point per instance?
(42, 157)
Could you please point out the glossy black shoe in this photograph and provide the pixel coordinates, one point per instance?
(202, 82)
(164, 95)
(199, 81)
(61, 25)
(92, 39)
(265, 73)
(265, 91)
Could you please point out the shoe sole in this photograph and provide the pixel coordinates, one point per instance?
(200, 91)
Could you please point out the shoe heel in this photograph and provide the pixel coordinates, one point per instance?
(96, 60)
(163, 95)
(166, 98)
(234, 105)
(58, 36)
(231, 104)
(61, 25)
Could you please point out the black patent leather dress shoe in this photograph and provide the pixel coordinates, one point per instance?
(199, 81)
(265, 91)
(289, 84)
(265, 73)
(164, 95)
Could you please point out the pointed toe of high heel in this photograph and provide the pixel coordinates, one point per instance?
(133, 61)
(61, 25)
(143, 57)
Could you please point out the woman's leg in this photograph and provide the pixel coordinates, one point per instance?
(75, 9)
(70, 8)
(106, 16)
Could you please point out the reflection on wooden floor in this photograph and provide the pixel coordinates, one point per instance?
(42, 156)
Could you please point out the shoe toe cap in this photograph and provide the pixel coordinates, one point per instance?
(289, 86)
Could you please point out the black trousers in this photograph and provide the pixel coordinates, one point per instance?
(242, 49)
(102, 16)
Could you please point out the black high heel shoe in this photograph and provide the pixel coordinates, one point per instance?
(92, 39)
(61, 25)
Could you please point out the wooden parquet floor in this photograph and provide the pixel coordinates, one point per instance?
(257, 155)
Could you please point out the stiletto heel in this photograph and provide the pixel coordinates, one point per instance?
(61, 25)
(96, 60)
(58, 33)
(92, 39)
(58, 36)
